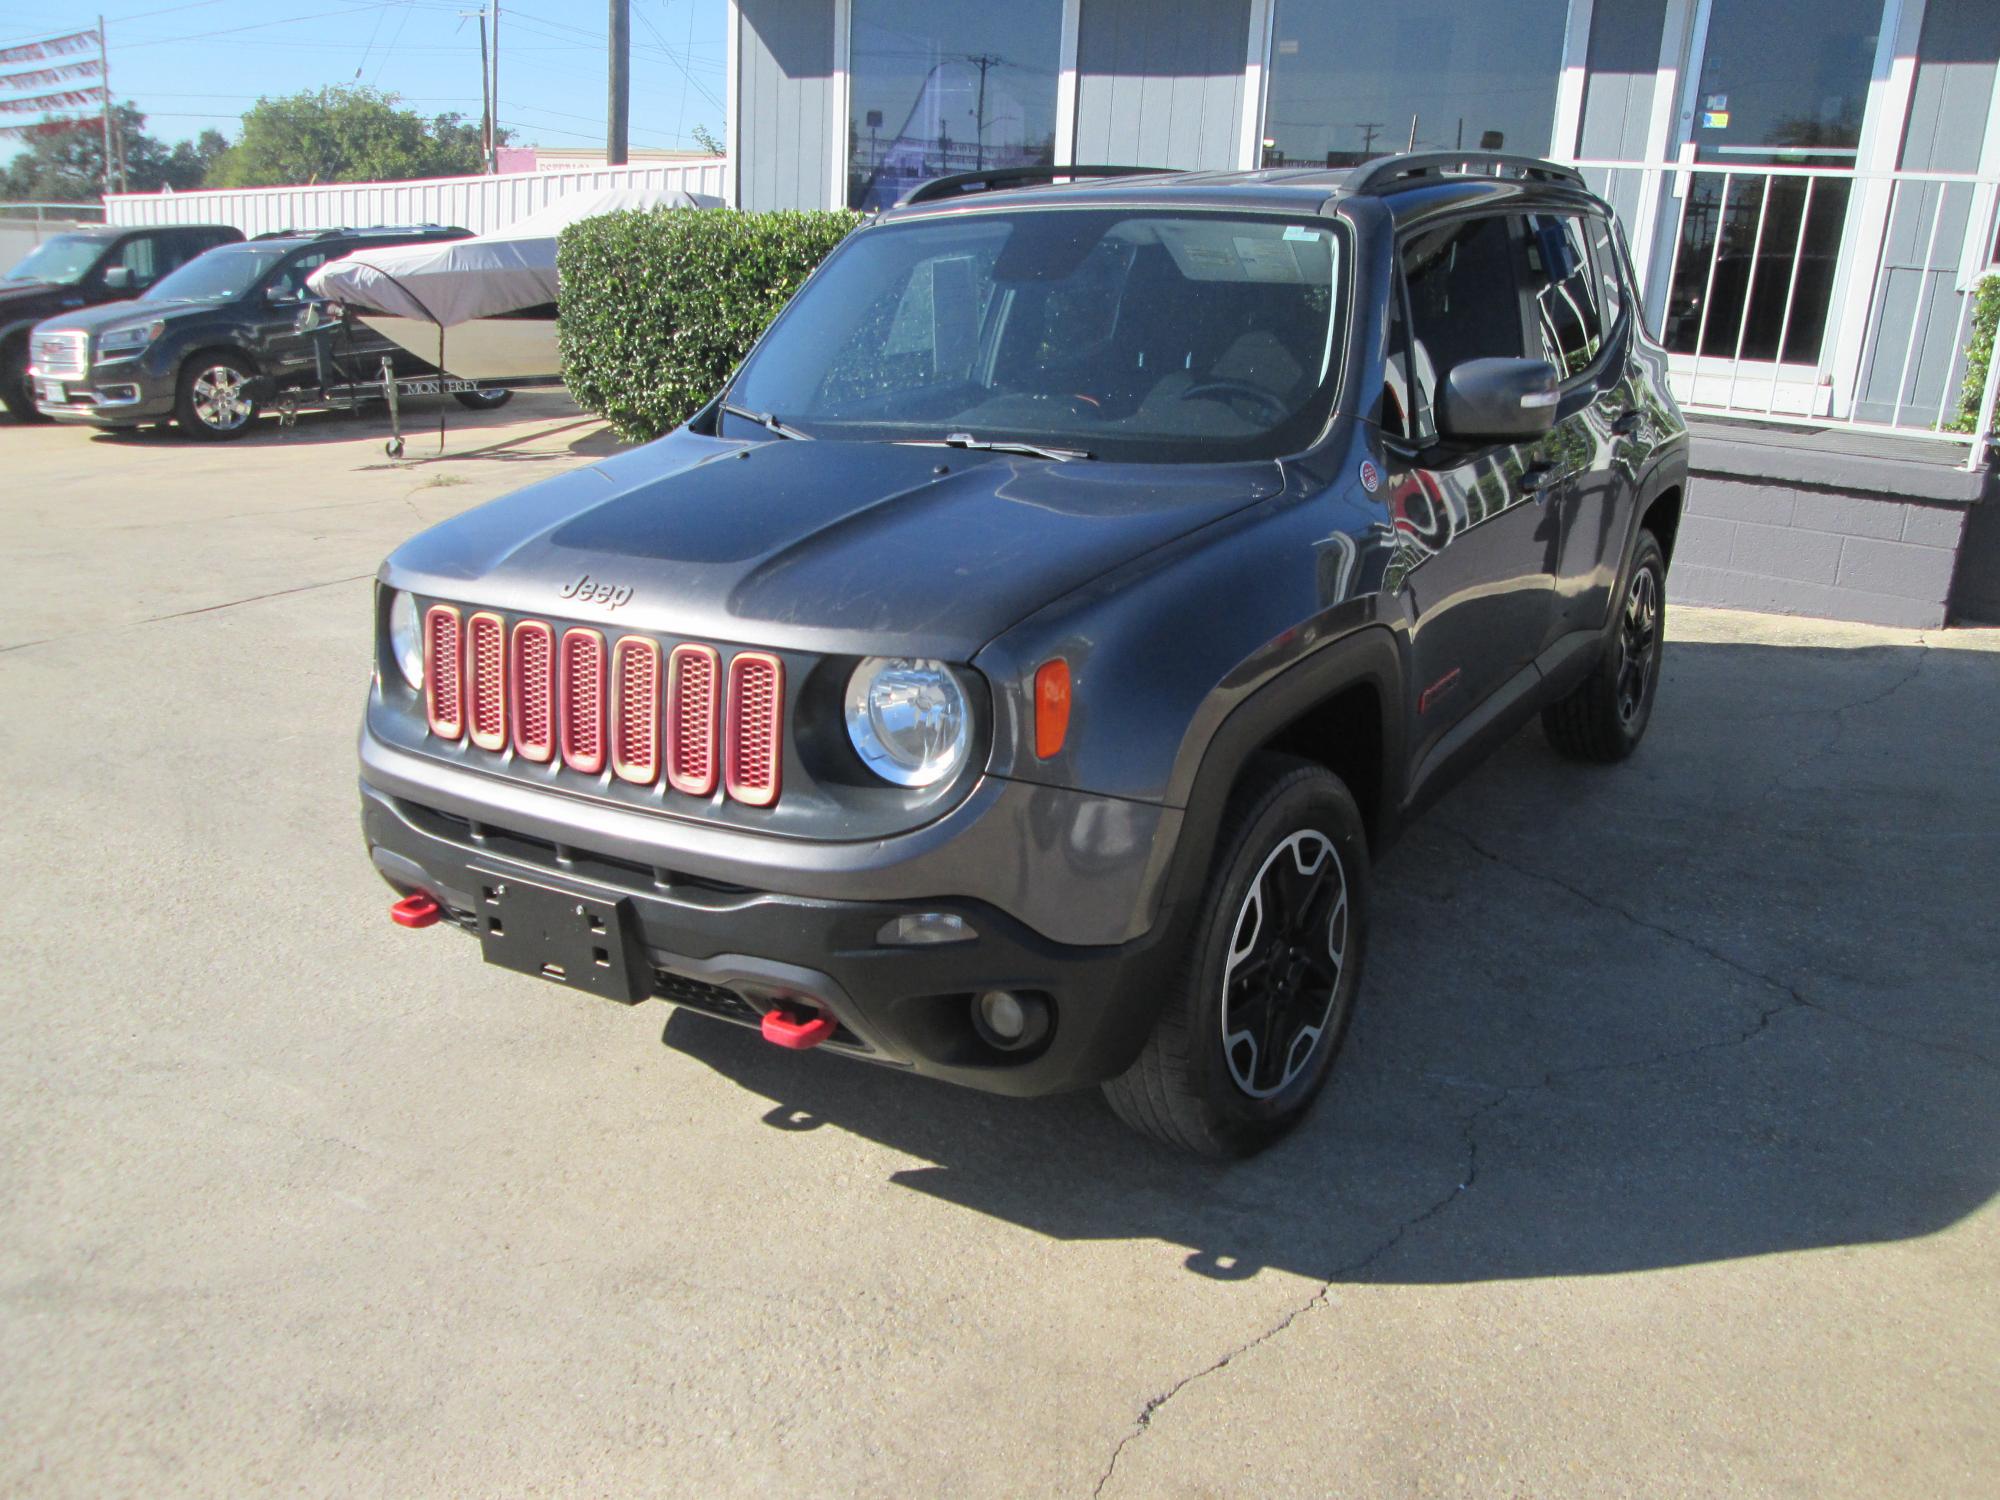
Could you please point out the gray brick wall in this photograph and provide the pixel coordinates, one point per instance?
(1752, 544)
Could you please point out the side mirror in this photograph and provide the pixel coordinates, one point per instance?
(277, 291)
(118, 279)
(1498, 400)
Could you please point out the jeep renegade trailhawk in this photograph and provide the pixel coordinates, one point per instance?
(1011, 675)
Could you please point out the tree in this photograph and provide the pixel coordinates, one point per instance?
(67, 166)
(345, 134)
(707, 141)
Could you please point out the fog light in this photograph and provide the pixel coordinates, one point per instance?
(1009, 1019)
(920, 929)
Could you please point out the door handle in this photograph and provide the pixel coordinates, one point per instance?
(1539, 480)
(1628, 423)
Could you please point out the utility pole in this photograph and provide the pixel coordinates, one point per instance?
(493, 92)
(618, 110)
(982, 62)
(104, 82)
(485, 92)
(1368, 129)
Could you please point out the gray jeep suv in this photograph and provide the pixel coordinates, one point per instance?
(1013, 674)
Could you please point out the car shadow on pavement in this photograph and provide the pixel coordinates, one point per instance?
(1732, 998)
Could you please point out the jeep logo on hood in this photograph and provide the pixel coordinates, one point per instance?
(587, 590)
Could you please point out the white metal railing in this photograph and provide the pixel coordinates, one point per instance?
(481, 204)
(41, 213)
(1813, 295)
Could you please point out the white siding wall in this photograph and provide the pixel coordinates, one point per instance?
(477, 203)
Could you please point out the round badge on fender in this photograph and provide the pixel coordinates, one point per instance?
(1371, 477)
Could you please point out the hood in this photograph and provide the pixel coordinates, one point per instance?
(117, 314)
(820, 546)
(26, 299)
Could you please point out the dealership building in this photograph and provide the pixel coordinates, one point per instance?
(1808, 186)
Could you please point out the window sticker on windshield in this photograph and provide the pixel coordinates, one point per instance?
(1300, 232)
(1266, 260)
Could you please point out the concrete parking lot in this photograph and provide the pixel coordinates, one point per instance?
(1662, 1160)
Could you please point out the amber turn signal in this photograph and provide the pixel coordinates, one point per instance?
(1051, 707)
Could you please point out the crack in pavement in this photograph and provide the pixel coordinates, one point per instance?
(1144, 1421)
(1792, 995)
(1839, 713)
(182, 614)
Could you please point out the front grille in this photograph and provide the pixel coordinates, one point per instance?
(58, 355)
(750, 738)
(580, 696)
(635, 709)
(694, 680)
(691, 721)
(444, 674)
(534, 676)
(486, 681)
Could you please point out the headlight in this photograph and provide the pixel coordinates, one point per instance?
(908, 719)
(120, 342)
(406, 640)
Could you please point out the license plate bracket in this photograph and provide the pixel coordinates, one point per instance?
(569, 937)
(52, 392)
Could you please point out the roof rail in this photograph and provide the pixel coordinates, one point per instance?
(350, 231)
(958, 184)
(1393, 173)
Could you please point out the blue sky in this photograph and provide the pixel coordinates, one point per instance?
(189, 64)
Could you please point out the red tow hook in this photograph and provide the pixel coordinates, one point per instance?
(418, 909)
(780, 1027)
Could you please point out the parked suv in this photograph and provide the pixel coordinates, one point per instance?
(1015, 672)
(212, 344)
(83, 268)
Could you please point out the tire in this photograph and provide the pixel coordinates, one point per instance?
(217, 398)
(1605, 716)
(16, 393)
(482, 400)
(1207, 1081)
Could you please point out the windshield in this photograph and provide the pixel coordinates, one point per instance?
(63, 260)
(1123, 333)
(221, 275)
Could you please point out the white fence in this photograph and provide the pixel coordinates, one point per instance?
(480, 204)
(1814, 295)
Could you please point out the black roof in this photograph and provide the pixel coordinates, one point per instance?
(1406, 183)
(112, 231)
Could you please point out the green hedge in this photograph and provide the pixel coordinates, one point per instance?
(1978, 354)
(657, 308)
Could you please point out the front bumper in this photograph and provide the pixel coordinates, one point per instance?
(109, 396)
(737, 952)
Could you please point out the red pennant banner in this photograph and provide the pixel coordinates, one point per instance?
(45, 127)
(41, 78)
(55, 46)
(38, 103)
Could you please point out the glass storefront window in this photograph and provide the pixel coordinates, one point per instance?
(1351, 80)
(939, 86)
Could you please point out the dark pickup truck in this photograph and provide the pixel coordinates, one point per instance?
(1014, 673)
(83, 268)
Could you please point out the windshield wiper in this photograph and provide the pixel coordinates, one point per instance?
(765, 420)
(1013, 445)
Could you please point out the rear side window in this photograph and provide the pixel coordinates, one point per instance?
(1465, 299)
(1568, 318)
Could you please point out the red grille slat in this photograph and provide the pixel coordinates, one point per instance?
(694, 696)
(444, 673)
(752, 753)
(486, 680)
(532, 678)
(635, 709)
(580, 700)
